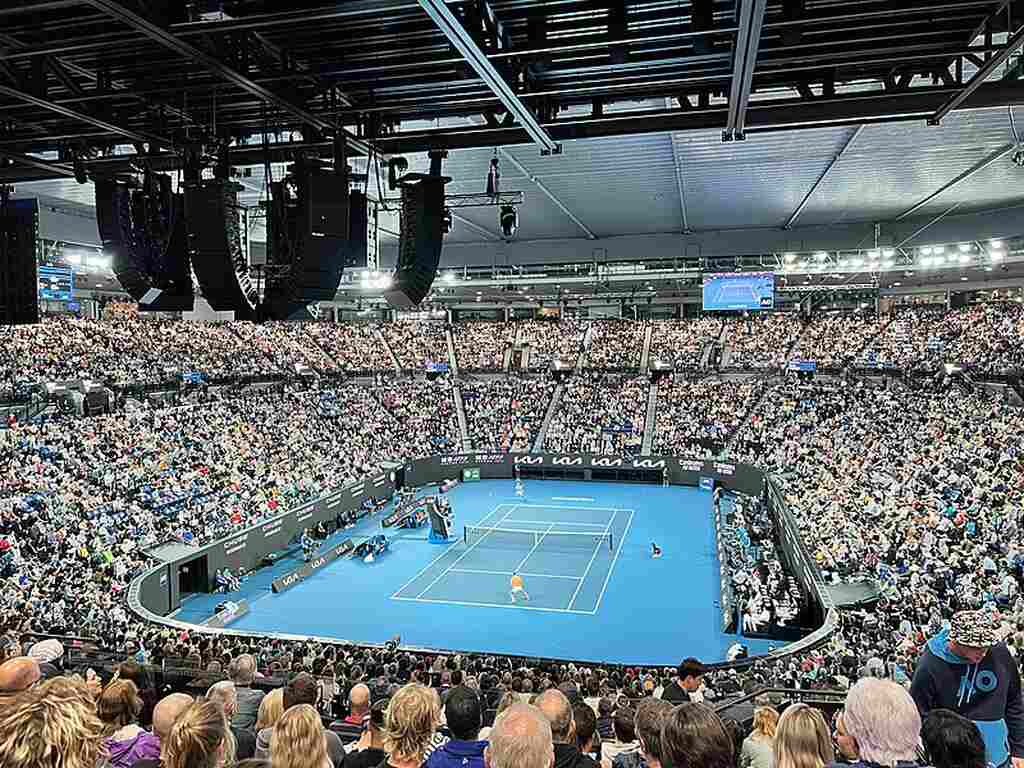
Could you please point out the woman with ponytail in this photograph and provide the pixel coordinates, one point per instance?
(199, 738)
(299, 740)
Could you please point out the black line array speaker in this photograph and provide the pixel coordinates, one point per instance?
(221, 267)
(326, 234)
(19, 287)
(358, 212)
(419, 242)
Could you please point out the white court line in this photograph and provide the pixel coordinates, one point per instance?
(584, 509)
(572, 498)
(516, 607)
(446, 551)
(611, 568)
(469, 549)
(591, 563)
(509, 573)
(548, 522)
(533, 548)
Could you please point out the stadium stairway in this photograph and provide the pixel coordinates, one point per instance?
(452, 362)
(460, 412)
(645, 356)
(391, 353)
(588, 339)
(768, 383)
(652, 407)
(726, 356)
(556, 396)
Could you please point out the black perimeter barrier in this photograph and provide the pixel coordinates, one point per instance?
(155, 593)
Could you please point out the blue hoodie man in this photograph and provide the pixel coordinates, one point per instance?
(464, 716)
(964, 669)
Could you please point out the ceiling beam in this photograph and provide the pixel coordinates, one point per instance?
(34, 162)
(748, 42)
(814, 188)
(477, 60)
(981, 165)
(118, 12)
(917, 233)
(139, 136)
(547, 192)
(979, 77)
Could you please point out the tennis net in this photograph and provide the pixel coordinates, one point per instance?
(501, 537)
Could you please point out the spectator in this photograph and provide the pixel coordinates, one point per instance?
(242, 672)
(966, 670)
(521, 738)
(301, 688)
(952, 741)
(463, 716)
(198, 738)
(883, 723)
(224, 695)
(555, 706)
(369, 750)
(847, 746)
(270, 711)
(651, 715)
(606, 718)
(52, 726)
(359, 704)
(299, 740)
(587, 738)
(624, 742)
(757, 751)
(124, 739)
(165, 713)
(693, 736)
(17, 674)
(688, 684)
(802, 739)
(132, 670)
(412, 717)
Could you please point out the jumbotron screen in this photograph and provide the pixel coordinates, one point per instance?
(732, 291)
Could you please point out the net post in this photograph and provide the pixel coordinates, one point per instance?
(465, 534)
(611, 543)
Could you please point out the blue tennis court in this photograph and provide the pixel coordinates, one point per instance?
(583, 550)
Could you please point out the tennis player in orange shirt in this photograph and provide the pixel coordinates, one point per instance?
(517, 588)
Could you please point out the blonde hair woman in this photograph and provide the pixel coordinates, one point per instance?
(52, 726)
(271, 709)
(198, 738)
(758, 746)
(802, 739)
(412, 717)
(299, 740)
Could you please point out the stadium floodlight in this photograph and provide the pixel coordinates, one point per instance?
(821, 255)
(887, 263)
(874, 254)
(926, 251)
(964, 247)
(449, 277)
(926, 262)
(790, 257)
(509, 220)
(997, 244)
(889, 253)
(939, 249)
(965, 258)
(996, 255)
(939, 260)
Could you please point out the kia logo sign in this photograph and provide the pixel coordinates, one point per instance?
(649, 464)
(567, 461)
(606, 462)
(529, 459)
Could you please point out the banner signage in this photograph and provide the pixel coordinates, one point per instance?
(308, 569)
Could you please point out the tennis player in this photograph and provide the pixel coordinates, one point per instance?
(655, 551)
(516, 588)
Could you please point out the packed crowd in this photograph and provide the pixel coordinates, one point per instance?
(615, 345)
(600, 413)
(481, 346)
(697, 417)
(760, 341)
(986, 338)
(417, 344)
(550, 340)
(837, 341)
(506, 414)
(681, 343)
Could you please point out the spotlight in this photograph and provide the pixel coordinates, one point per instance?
(1018, 156)
(493, 178)
(447, 222)
(397, 166)
(964, 247)
(509, 220)
(790, 257)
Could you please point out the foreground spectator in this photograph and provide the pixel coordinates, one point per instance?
(883, 723)
(695, 737)
(412, 718)
(587, 738)
(270, 711)
(198, 738)
(52, 726)
(966, 670)
(299, 740)
(165, 713)
(521, 738)
(651, 715)
(802, 739)
(224, 695)
(124, 739)
(952, 741)
(554, 705)
(464, 718)
(369, 750)
(248, 699)
(300, 689)
(16, 675)
(757, 751)
(623, 749)
(687, 685)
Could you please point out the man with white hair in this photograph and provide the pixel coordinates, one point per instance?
(242, 672)
(880, 724)
(520, 738)
(965, 669)
(225, 696)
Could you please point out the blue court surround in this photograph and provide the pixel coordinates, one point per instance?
(588, 601)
